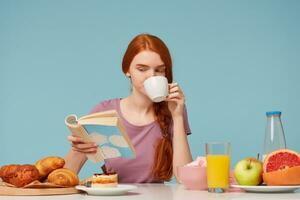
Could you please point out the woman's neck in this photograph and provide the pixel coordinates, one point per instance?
(139, 103)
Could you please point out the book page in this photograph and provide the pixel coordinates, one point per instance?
(106, 121)
(109, 113)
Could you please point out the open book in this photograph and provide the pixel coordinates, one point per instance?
(104, 129)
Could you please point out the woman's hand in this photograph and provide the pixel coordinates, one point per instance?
(176, 100)
(79, 145)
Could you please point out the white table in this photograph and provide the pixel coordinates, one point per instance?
(167, 192)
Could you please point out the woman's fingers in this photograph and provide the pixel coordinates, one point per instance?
(174, 87)
(174, 95)
(79, 145)
(171, 85)
(75, 139)
(174, 100)
(90, 150)
(85, 145)
(79, 140)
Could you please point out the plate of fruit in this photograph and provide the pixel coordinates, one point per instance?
(265, 188)
(279, 172)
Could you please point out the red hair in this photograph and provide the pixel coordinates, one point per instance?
(162, 168)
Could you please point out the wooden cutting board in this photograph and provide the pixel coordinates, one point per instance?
(5, 190)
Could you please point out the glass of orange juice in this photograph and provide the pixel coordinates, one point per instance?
(218, 166)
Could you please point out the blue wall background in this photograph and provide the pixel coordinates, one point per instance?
(234, 60)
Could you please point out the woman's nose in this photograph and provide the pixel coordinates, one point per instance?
(153, 73)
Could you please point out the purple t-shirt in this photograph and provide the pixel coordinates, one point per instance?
(144, 139)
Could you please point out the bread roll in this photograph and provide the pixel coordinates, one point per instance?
(63, 177)
(19, 175)
(49, 164)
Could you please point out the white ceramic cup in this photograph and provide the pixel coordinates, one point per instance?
(157, 88)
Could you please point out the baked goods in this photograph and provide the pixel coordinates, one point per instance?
(19, 175)
(105, 180)
(49, 164)
(50, 168)
(63, 177)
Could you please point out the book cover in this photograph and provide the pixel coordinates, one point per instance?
(104, 129)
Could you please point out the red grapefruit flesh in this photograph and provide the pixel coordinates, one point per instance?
(281, 159)
(282, 167)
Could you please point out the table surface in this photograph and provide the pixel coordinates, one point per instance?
(168, 192)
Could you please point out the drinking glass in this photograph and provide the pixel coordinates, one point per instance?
(218, 166)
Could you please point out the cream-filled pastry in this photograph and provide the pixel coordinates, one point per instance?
(105, 180)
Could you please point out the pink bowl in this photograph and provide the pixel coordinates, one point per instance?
(192, 177)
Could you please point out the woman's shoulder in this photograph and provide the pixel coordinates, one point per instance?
(104, 105)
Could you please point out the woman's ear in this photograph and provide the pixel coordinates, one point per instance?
(127, 74)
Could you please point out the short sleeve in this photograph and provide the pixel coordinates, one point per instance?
(185, 123)
(104, 106)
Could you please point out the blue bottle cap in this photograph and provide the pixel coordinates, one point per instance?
(273, 113)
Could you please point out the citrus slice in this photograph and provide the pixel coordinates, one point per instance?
(281, 159)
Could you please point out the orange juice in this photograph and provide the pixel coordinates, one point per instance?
(218, 171)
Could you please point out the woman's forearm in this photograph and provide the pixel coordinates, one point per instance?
(181, 150)
(75, 160)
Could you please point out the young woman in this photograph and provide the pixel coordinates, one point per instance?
(158, 131)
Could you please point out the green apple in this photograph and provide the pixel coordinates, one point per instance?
(248, 171)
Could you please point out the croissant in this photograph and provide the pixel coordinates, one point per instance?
(63, 177)
(19, 175)
(49, 164)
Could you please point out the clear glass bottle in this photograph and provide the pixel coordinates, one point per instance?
(274, 135)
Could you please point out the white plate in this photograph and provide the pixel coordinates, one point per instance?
(264, 188)
(119, 190)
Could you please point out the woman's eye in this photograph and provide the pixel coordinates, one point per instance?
(161, 70)
(142, 69)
